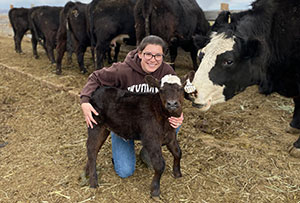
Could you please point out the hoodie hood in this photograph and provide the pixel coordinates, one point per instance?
(133, 61)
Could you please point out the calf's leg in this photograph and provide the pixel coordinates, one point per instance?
(174, 148)
(158, 163)
(96, 138)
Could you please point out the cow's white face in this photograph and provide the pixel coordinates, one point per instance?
(208, 92)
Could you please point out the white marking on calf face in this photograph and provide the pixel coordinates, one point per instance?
(207, 92)
(171, 79)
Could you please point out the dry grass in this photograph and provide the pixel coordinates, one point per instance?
(236, 152)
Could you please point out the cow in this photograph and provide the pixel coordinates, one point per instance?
(175, 21)
(139, 116)
(108, 19)
(263, 50)
(73, 21)
(44, 23)
(18, 18)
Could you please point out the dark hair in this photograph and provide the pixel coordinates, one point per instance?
(152, 39)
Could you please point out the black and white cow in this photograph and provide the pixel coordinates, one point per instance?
(264, 50)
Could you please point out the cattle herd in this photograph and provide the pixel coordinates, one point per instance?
(100, 24)
(260, 46)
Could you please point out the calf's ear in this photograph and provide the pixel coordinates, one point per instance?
(151, 81)
(189, 76)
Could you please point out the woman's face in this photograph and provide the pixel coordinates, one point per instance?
(152, 57)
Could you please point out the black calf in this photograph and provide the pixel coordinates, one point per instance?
(139, 116)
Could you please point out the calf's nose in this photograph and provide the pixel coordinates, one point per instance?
(172, 104)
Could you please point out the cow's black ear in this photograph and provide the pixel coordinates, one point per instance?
(151, 81)
(251, 48)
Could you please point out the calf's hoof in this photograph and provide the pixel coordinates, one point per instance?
(177, 174)
(155, 193)
(93, 182)
(58, 72)
(292, 130)
(93, 185)
(294, 152)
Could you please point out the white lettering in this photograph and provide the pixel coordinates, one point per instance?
(143, 88)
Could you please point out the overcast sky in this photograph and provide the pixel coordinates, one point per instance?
(204, 4)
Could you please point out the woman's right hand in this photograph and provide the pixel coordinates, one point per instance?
(87, 110)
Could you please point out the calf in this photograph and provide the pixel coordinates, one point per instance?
(139, 116)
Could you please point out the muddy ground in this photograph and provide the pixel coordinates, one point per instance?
(236, 152)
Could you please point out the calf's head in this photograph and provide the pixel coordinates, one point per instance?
(171, 91)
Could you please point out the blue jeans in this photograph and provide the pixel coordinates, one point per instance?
(123, 154)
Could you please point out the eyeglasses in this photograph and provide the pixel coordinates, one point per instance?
(149, 56)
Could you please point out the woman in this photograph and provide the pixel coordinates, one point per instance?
(146, 59)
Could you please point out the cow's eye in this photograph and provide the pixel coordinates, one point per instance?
(228, 62)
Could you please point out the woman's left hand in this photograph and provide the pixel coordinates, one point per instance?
(176, 122)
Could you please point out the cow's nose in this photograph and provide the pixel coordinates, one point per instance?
(173, 104)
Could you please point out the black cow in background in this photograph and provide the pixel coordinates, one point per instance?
(73, 20)
(108, 19)
(175, 21)
(18, 18)
(44, 23)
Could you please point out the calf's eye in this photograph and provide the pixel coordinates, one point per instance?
(228, 62)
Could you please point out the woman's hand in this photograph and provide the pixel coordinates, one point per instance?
(87, 110)
(176, 122)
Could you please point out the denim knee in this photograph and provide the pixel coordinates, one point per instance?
(123, 156)
(125, 170)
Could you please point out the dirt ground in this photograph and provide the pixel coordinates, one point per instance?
(236, 152)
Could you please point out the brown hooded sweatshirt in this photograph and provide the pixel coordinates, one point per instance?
(125, 75)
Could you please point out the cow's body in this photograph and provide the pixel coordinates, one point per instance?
(175, 21)
(73, 20)
(264, 49)
(108, 19)
(44, 22)
(18, 18)
(139, 116)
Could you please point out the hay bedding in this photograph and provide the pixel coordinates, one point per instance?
(236, 152)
